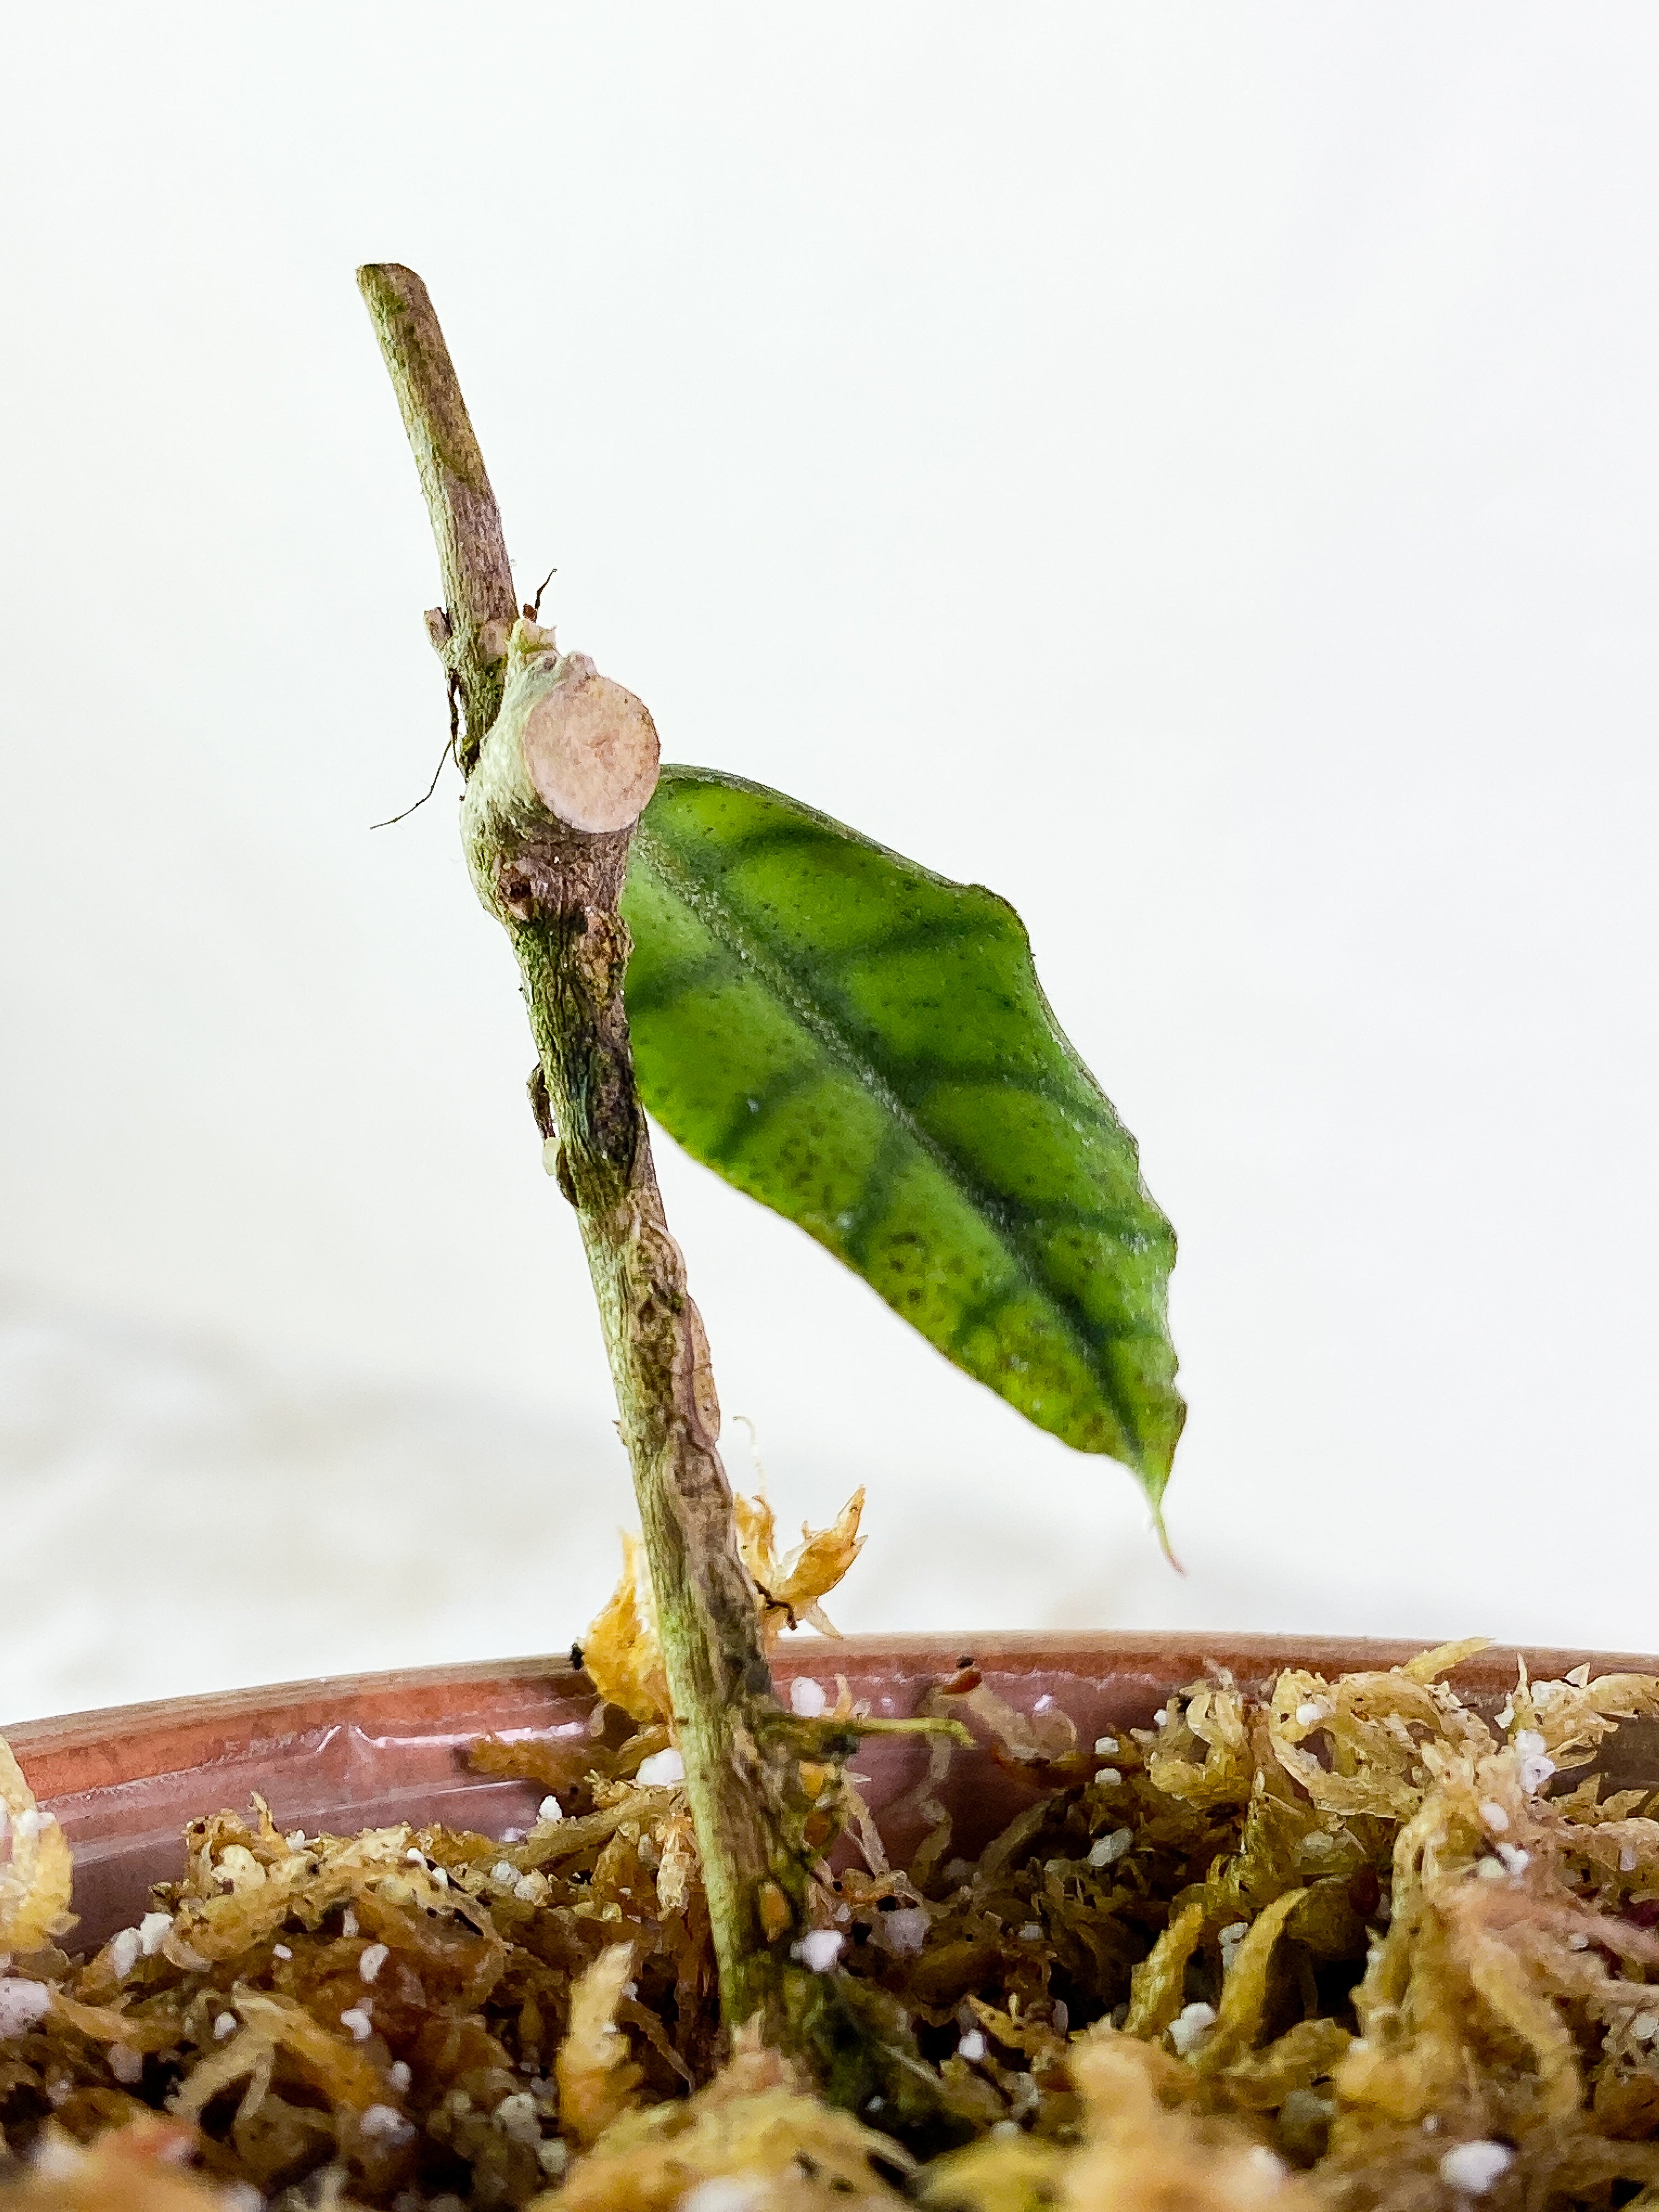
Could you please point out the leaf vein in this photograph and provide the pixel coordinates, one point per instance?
(774, 968)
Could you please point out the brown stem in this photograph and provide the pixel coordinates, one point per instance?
(556, 890)
(471, 628)
(558, 762)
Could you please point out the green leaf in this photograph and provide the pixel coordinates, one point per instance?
(864, 1047)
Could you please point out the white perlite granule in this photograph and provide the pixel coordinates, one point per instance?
(224, 2027)
(1267, 2163)
(373, 1959)
(1535, 1764)
(725, 2193)
(124, 1952)
(153, 1932)
(907, 1929)
(127, 2064)
(356, 2022)
(971, 2047)
(819, 1949)
(547, 1812)
(386, 2121)
(516, 2117)
(1107, 1851)
(662, 1768)
(1495, 1818)
(23, 2005)
(1189, 2027)
(1473, 2166)
(806, 1697)
(1105, 1747)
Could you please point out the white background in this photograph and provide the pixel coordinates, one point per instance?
(1192, 469)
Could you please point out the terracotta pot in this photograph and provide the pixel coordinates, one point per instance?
(374, 1749)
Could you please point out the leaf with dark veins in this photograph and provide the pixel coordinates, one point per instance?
(864, 1047)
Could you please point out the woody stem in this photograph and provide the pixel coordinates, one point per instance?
(555, 888)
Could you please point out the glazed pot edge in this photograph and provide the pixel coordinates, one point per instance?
(75, 1750)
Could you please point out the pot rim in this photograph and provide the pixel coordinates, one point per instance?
(411, 1694)
(343, 1753)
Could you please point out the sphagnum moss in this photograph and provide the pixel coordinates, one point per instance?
(1363, 1948)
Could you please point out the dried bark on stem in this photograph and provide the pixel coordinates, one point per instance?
(558, 764)
(555, 889)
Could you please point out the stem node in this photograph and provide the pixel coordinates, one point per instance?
(558, 762)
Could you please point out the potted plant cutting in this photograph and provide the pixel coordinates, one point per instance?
(1183, 1925)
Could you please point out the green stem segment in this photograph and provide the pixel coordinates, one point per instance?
(470, 630)
(555, 889)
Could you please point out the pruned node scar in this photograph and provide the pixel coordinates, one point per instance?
(591, 750)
